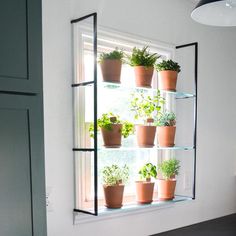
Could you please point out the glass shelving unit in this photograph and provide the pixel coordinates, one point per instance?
(87, 152)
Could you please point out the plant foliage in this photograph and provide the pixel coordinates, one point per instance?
(114, 55)
(169, 168)
(106, 122)
(142, 57)
(148, 171)
(166, 119)
(146, 106)
(168, 65)
(113, 175)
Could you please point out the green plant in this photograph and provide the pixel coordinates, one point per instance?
(142, 57)
(113, 175)
(106, 122)
(148, 171)
(168, 65)
(169, 168)
(166, 119)
(145, 106)
(114, 55)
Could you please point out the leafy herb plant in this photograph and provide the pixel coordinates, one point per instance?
(146, 106)
(106, 122)
(169, 168)
(114, 55)
(166, 119)
(168, 65)
(113, 175)
(142, 57)
(148, 171)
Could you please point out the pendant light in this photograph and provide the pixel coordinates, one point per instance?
(215, 13)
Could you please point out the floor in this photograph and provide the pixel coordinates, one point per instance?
(225, 226)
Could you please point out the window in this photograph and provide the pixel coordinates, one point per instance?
(114, 98)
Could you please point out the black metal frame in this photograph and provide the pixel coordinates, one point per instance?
(94, 82)
(195, 45)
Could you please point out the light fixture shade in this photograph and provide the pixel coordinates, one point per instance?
(215, 13)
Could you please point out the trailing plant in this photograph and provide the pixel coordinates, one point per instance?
(113, 175)
(169, 168)
(146, 106)
(148, 171)
(142, 57)
(117, 54)
(107, 120)
(168, 65)
(166, 119)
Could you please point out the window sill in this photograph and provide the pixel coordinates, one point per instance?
(132, 209)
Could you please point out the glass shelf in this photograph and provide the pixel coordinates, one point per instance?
(146, 148)
(106, 85)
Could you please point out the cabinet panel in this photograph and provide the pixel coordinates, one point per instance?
(22, 198)
(20, 45)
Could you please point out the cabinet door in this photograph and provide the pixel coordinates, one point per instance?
(22, 195)
(20, 45)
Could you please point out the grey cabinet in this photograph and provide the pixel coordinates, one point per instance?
(20, 45)
(22, 173)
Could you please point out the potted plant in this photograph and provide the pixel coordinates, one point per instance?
(111, 65)
(167, 74)
(143, 62)
(112, 128)
(168, 169)
(146, 108)
(144, 187)
(166, 129)
(114, 178)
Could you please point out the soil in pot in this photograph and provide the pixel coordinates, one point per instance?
(112, 138)
(167, 80)
(144, 190)
(111, 70)
(145, 135)
(113, 195)
(166, 136)
(143, 76)
(166, 189)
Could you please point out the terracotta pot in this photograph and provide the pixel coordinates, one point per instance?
(112, 138)
(166, 136)
(167, 80)
(166, 189)
(145, 135)
(113, 195)
(143, 76)
(144, 191)
(111, 70)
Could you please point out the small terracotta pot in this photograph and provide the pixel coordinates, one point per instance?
(143, 76)
(166, 136)
(145, 135)
(111, 70)
(113, 195)
(144, 191)
(166, 189)
(112, 138)
(167, 80)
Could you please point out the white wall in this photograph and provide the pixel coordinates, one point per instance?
(165, 20)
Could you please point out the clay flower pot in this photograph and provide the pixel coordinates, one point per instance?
(113, 195)
(167, 80)
(144, 190)
(166, 136)
(145, 135)
(143, 76)
(166, 189)
(111, 70)
(112, 138)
